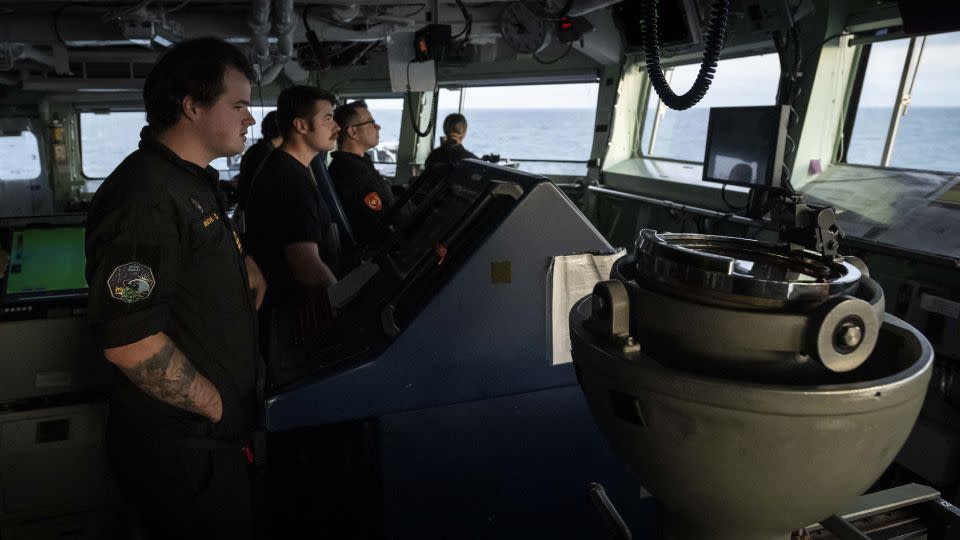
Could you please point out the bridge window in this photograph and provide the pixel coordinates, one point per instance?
(682, 135)
(388, 112)
(107, 137)
(908, 111)
(19, 156)
(544, 129)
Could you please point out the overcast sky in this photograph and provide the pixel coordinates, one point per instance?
(936, 83)
(753, 80)
(553, 96)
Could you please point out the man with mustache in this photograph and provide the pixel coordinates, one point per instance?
(287, 220)
(289, 228)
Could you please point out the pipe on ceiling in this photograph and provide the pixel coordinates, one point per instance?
(259, 21)
(285, 25)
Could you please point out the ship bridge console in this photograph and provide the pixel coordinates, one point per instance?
(447, 374)
(52, 383)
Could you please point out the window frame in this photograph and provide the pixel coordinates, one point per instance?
(132, 109)
(462, 88)
(28, 128)
(657, 119)
(911, 66)
(98, 110)
(648, 91)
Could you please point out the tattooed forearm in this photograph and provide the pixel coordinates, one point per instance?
(169, 376)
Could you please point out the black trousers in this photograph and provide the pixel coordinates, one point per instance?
(183, 488)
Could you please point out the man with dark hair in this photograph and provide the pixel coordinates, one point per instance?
(364, 193)
(289, 230)
(173, 301)
(254, 157)
(451, 149)
(288, 224)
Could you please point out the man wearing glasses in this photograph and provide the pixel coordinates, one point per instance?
(364, 193)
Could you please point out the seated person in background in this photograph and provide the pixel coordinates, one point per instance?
(288, 225)
(256, 154)
(451, 149)
(364, 193)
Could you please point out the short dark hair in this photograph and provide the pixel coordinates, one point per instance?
(192, 68)
(347, 114)
(269, 126)
(454, 123)
(299, 102)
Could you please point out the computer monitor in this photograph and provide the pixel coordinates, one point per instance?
(44, 261)
(745, 145)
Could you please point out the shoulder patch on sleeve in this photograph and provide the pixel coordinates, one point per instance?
(131, 282)
(373, 202)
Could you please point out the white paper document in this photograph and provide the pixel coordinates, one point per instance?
(571, 278)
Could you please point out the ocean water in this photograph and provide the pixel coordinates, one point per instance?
(928, 139)
(565, 134)
(516, 134)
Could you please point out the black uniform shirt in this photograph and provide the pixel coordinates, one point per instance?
(163, 257)
(364, 193)
(251, 161)
(447, 154)
(284, 208)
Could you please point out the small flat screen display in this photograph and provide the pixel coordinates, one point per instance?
(745, 145)
(46, 260)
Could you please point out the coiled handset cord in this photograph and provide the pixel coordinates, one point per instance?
(433, 108)
(713, 42)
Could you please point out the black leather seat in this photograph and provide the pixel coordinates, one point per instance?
(329, 193)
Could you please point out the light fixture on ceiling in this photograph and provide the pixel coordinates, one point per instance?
(148, 32)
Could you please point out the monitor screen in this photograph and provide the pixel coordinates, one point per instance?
(46, 260)
(745, 145)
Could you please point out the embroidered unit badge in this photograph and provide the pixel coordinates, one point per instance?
(131, 282)
(373, 202)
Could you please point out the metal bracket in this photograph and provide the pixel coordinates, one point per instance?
(842, 529)
(807, 226)
(611, 315)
